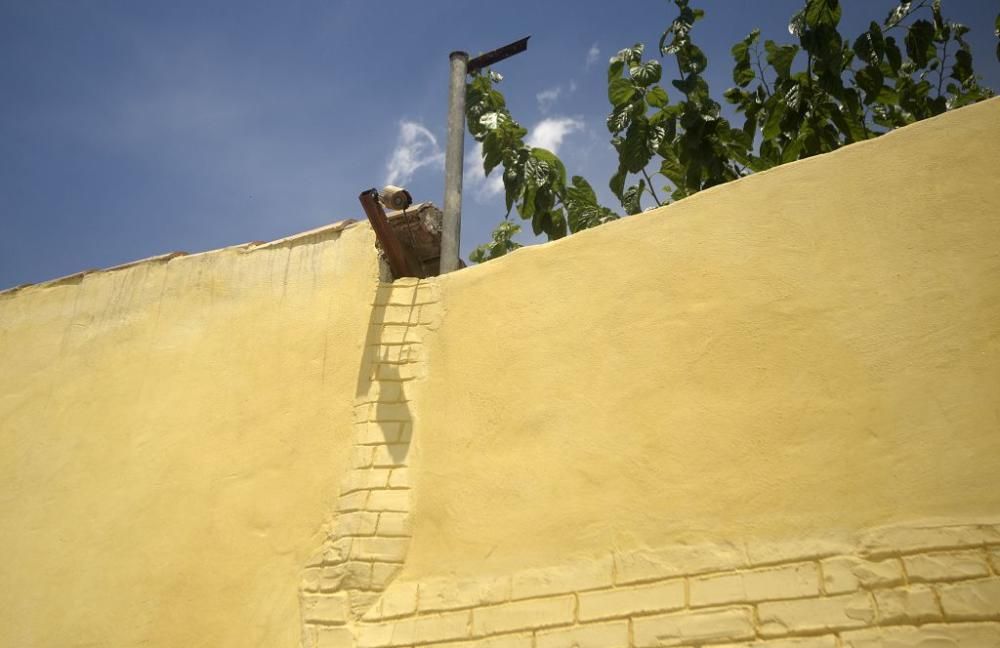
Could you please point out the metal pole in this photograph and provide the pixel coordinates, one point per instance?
(451, 226)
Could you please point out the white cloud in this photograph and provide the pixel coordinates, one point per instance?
(416, 147)
(592, 54)
(482, 187)
(548, 97)
(548, 134)
(551, 131)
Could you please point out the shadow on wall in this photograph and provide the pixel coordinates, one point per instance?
(389, 347)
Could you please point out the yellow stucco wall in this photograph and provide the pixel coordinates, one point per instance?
(171, 439)
(769, 411)
(805, 352)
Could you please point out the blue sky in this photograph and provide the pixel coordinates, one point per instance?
(129, 129)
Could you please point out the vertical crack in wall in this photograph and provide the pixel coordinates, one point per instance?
(370, 535)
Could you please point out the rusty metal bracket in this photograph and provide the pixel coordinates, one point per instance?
(497, 55)
(393, 250)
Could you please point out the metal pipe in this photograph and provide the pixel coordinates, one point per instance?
(451, 226)
(385, 235)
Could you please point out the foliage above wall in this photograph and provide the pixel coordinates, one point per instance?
(795, 100)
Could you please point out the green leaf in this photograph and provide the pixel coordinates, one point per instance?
(631, 55)
(742, 72)
(646, 74)
(869, 79)
(920, 42)
(615, 68)
(657, 97)
(893, 55)
(772, 120)
(781, 57)
(898, 14)
(617, 182)
(635, 153)
(822, 12)
(870, 46)
(961, 71)
(553, 163)
(492, 153)
(620, 91)
(619, 119)
(501, 244)
(582, 208)
(632, 198)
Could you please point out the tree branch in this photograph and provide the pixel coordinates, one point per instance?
(649, 183)
(756, 52)
(944, 57)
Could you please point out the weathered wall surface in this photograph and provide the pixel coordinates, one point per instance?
(767, 416)
(808, 351)
(172, 436)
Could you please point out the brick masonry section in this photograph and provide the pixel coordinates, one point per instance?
(370, 531)
(916, 585)
(799, 595)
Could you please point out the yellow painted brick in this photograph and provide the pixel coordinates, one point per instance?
(361, 456)
(310, 579)
(364, 479)
(966, 635)
(361, 413)
(388, 500)
(449, 594)
(636, 599)
(678, 560)
(971, 599)
(383, 573)
(333, 637)
(325, 608)
(400, 599)
(995, 559)
(391, 455)
(703, 626)
(310, 636)
(352, 501)
(376, 432)
(801, 549)
(945, 566)
(380, 549)
(390, 333)
(396, 314)
(523, 615)
(355, 523)
(597, 635)
(779, 618)
(400, 478)
(402, 372)
(848, 573)
(825, 641)
(337, 550)
(789, 581)
(393, 524)
(392, 412)
(916, 604)
(503, 641)
(891, 540)
(584, 575)
(350, 575)
(405, 632)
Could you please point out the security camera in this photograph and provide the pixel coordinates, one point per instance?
(395, 197)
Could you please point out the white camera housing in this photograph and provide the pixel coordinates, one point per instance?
(395, 198)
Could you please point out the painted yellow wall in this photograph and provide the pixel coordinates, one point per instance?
(172, 436)
(698, 413)
(807, 351)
